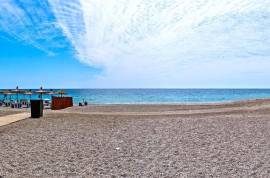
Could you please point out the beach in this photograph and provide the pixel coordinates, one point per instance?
(7, 111)
(159, 140)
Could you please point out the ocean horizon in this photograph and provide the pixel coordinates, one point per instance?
(156, 96)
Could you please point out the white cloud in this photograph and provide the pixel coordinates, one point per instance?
(151, 42)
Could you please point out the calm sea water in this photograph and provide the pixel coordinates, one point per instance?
(148, 96)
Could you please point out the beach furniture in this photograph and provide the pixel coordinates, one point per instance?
(24, 103)
(61, 93)
(2, 103)
(47, 104)
(7, 103)
(41, 92)
(15, 104)
(29, 93)
(17, 91)
(2, 96)
(51, 92)
(7, 97)
(12, 104)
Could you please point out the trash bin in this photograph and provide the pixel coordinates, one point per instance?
(36, 108)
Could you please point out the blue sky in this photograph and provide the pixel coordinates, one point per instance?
(28, 67)
(135, 43)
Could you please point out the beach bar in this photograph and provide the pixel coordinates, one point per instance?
(61, 102)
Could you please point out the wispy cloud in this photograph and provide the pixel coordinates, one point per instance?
(31, 22)
(148, 41)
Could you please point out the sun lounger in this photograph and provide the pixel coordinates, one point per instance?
(47, 104)
(24, 103)
(7, 103)
(15, 105)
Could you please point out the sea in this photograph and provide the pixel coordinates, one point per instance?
(157, 96)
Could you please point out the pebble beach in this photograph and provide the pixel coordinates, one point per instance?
(199, 140)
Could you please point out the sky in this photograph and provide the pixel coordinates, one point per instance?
(135, 43)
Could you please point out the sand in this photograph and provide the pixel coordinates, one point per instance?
(217, 140)
(7, 111)
(8, 119)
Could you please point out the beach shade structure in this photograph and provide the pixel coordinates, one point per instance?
(51, 92)
(29, 93)
(17, 91)
(61, 93)
(7, 93)
(41, 92)
(2, 92)
(25, 102)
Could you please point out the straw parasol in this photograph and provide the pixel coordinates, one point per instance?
(29, 92)
(7, 93)
(41, 92)
(61, 92)
(3, 92)
(17, 91)
(51, 92)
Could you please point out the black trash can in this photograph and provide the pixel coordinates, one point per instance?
(36, 108)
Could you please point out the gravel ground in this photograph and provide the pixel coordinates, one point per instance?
(198, 144)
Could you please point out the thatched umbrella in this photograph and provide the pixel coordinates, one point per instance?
(51, 92)
(17, 91)
(30, 93)
(61, 92)
(7, 93)
(2, 92)
(41, 92)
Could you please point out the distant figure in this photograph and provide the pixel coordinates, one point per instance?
(85, 103)
(80, 104)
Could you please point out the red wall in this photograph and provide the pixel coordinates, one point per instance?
(61, 102)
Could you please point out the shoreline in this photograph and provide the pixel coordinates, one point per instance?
(161, 109)
(184, 103)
